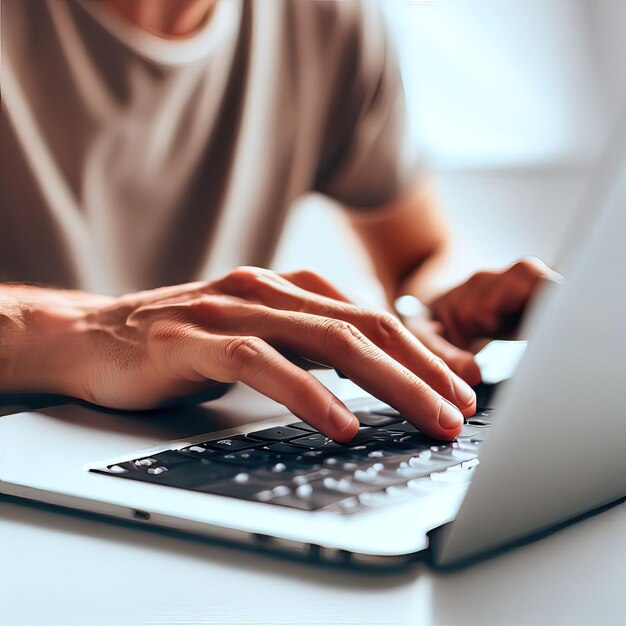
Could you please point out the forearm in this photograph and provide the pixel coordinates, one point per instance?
(428, 279)
(408, 242)
(425, 280)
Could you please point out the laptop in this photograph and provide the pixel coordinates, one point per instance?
(551, 448)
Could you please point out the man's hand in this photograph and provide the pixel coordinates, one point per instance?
(143, 350)
(490, 305)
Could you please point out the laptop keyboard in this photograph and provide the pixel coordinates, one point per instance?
(298, 467)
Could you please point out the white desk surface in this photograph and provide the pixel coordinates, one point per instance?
(61, 569)
(64, 569)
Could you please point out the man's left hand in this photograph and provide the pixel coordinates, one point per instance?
(489, 304)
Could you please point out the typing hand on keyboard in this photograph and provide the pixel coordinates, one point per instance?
(146, 349)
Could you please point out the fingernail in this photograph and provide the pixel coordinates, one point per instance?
(340, 417)
(450, 417)
(464, 393)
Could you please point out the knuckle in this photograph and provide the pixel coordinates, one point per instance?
(208, 308)
(244, 274)
(243, 352)
(525, 267)
(167, 338)
(438, 365)
(387, 329)
(308, 275)
(255, 280)
(244, 281)
(341, 333)
(480, 277)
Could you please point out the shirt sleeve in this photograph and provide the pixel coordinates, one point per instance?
(366, 157)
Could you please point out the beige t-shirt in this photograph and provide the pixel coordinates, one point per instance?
(129, 161)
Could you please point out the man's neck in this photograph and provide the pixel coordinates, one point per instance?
(170, 19)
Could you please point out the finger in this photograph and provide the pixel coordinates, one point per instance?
(460, 361)
(466, 311)
(387, 336)
(252, 361)
(310, 281)
(342, 345)
(446, 313)
(473, 316)
(381, 328)
(517, 284)
(345, 347)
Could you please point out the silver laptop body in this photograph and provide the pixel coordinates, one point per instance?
(556, 447)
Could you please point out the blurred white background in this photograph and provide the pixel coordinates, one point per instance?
(510, 103)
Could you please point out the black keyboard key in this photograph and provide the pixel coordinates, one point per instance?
(170, 458)
(231, 444)
(283, 448)
(277, 433)
(376, 453)
(466, 445)
(148, 465)
(468, 432)
(249, 458)
(310, 456)
(346, 464)
(245, 486)
(306, 498)
(198, 451)
(318, 441)
(485, 393)
(413, 439)
(185, 475)
(142, 464)
(284, 473)
(391, 472)
(295, 456)
(364, 435)
(116, 468)
(345, 484)
(482, 412)
(304, 426)
(292, 478)
(356, 451)
(480, 422)
(375, 420)
(401, 427)
(314, 441)
(317, 473)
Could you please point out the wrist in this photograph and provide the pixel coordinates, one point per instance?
(40, 342)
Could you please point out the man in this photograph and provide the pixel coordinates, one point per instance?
(157, 142)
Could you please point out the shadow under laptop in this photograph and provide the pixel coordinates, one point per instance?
(202, 549)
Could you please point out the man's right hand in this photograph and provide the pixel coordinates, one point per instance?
(145, 349)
